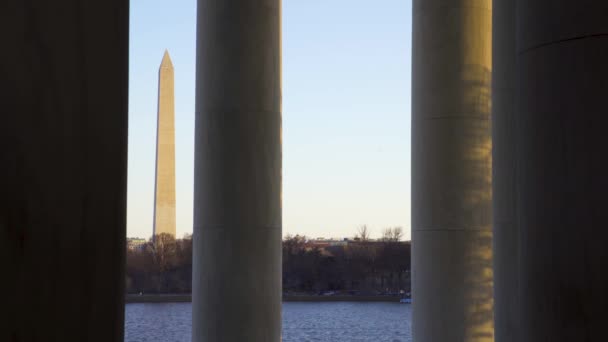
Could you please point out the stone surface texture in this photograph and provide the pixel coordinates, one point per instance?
(63, 169)
(451, 171)
(164, 190)
(237, 176)
(560, 135)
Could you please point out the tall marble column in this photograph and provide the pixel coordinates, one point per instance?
(451, 171)
(506, 233)
(63, 169)
(237, 190)
(560, 134)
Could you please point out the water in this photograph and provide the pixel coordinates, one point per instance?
(302, 322)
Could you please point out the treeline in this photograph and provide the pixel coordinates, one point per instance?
(162, 265)
(362, 266)
(356, 266)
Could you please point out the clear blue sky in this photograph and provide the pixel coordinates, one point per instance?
(346, 113)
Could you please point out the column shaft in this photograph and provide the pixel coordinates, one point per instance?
(506, 233)
(63, 169)
(451, 171)
(237, 190)
(560, 131)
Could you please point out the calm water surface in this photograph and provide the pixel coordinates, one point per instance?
(302, 322)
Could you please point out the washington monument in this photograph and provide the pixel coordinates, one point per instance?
(164, 191)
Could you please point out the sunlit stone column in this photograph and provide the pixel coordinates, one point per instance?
(237, 186)
(506, 233)
(451, 171)
(63, 169)
(562, 173)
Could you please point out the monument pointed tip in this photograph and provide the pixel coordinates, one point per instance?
(166, 62)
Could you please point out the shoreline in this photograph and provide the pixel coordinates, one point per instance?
(187, 298)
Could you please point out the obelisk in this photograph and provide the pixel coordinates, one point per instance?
(164, 192)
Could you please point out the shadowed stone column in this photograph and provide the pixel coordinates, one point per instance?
(451, 171)
(63, 168)
(237, 187)
(506, 234)
(562, 173)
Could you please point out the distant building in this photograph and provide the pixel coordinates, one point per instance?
(323, 243)
(333, 242)
(134, 244)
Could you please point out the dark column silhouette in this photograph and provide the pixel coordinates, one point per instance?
(506, 233)
(63, 167)
(560, 134)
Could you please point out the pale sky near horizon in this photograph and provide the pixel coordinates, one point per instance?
(346, 113)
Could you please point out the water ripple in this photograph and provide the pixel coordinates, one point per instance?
(302, 322)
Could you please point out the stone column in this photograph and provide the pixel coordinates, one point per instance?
(237, 190)
(63, 169)
(560, 130)
(451, 171)
(506, 233)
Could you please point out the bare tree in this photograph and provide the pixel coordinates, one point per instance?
(162, 248)
(363, 233)
(392, 234)
(387, 234)
(397, 234)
